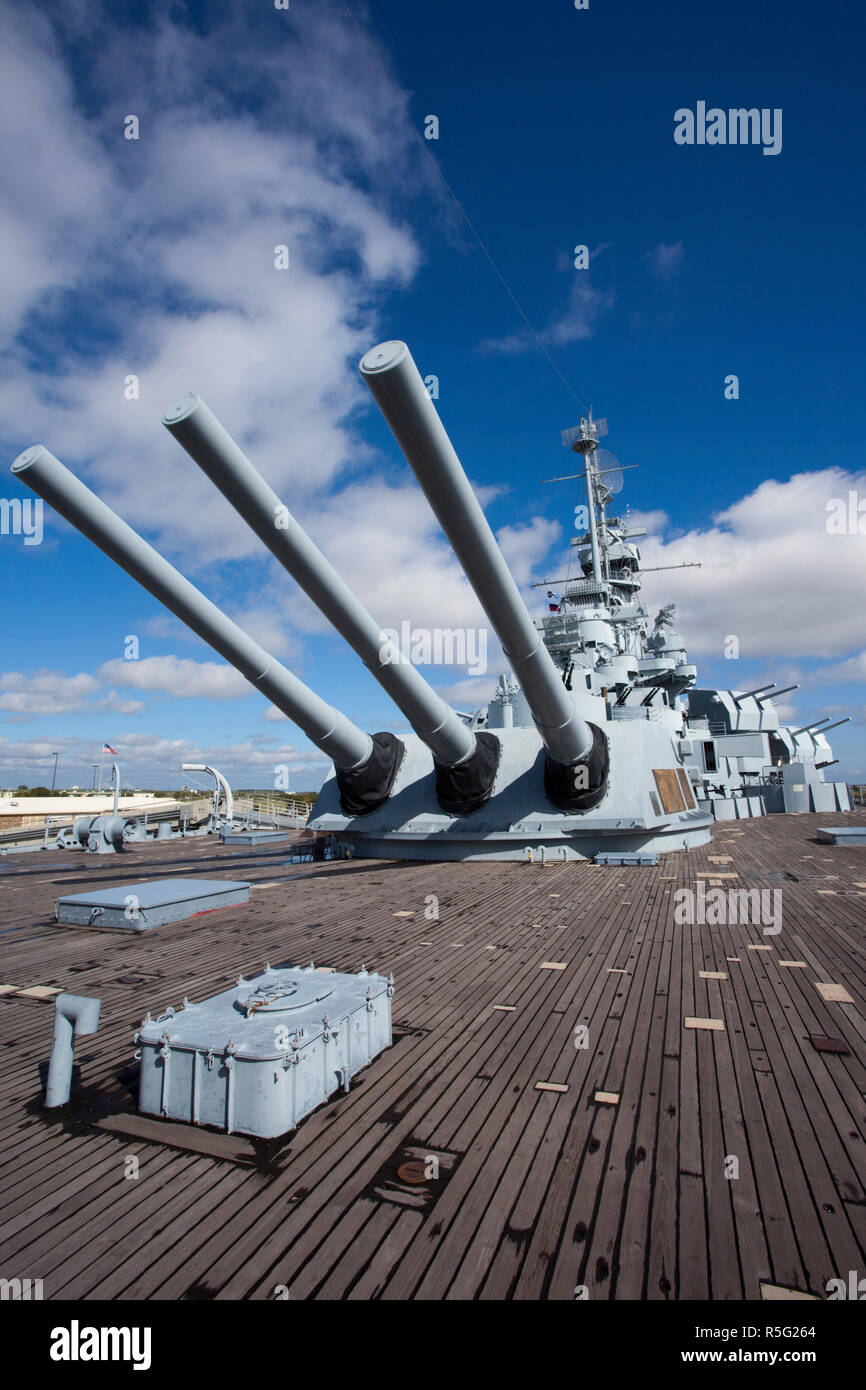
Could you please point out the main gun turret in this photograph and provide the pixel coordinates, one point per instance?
(577, 756)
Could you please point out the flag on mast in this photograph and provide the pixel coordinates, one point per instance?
(107, 748)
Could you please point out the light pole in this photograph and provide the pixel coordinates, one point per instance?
(95, 767)
(55, 756)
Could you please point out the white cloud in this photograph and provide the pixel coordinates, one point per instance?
(472, 693)
(785, 710)
(770, 574)
(150, 760)
(171, 240)
(178, 676)
(525, 546)
(651, 521)
(275, 716)
(665, 259)
(174, 242)
(853, 669)
(577, 321)
(25, 694)
(115, 704)
(54, 175)
(264, 623)
(386, 543)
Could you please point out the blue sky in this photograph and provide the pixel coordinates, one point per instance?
(305, 127)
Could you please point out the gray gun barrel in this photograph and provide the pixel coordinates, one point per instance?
(197, 429)
(827, 727)
(747, 694)
(807, 728)
(325, 726)
(399, 392)
(774, 694)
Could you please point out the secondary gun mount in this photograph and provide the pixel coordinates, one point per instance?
(576, 764)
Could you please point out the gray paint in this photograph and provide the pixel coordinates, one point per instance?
(74, 1016)
(397, 388)
(194, 426)
(599, 659)
(252, 837)
(323, 725)
(518, 820)
(259, 1070)
(142, 906)
(842, 835)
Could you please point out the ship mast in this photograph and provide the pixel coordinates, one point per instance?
(586, 443)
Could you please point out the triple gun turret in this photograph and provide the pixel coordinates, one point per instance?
(367, 766)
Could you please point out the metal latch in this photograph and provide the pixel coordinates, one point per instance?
(281, 995)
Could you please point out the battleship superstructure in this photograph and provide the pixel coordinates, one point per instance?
(740, 759)
(588, 748)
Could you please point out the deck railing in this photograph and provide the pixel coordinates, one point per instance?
(271, 805)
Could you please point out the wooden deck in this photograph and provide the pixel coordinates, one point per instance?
(539, 1191)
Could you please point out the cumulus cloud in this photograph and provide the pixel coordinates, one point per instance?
(45, 155)
(524, 546)
(178, 676)
(25, 694)
(275, 716)
(651, 521)
(173, 254)
(169, 241)
(771, 574)
(472, 693)
(151, 760)
(115, 704)
(853, 669)
(386, 543)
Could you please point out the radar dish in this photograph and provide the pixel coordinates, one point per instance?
(570, 435)
(609, 471)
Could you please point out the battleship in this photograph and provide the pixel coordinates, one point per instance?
(598, 743)
(475, 1051)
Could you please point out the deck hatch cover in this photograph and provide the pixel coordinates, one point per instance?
(260, 1071)
(156, 902)
(279, 997)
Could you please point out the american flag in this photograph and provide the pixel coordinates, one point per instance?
(107, 748)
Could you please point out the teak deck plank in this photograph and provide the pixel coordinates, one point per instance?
(546, 1191)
